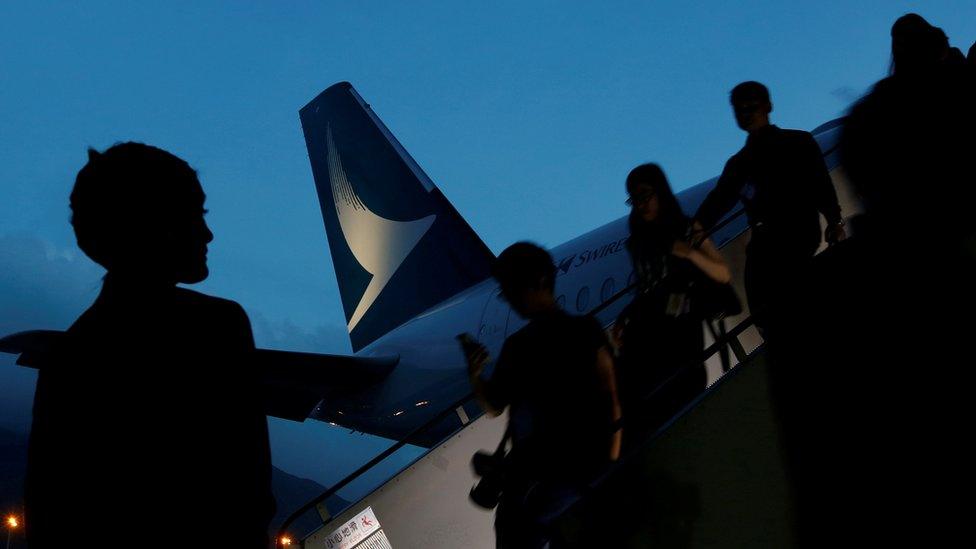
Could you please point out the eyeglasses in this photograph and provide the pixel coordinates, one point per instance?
(640, 199)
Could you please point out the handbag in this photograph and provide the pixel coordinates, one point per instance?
(714, 300)
(710, 300)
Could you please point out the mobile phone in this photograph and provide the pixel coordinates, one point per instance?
(468, 343)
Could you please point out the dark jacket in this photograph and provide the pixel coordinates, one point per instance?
(147, 423)
(781, 179)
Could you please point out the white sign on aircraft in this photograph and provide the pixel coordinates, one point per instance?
(353, 531)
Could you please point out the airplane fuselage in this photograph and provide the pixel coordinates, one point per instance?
(432, 373)
(413, 274)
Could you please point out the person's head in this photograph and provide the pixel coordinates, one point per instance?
(955, 58)
(751, 105)
(650, 197)
(916, 44)
(527, 277)
(138, 211)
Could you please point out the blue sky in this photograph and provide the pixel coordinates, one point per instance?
(528, 116)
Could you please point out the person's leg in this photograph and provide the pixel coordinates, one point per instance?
(773, 279)
(517, 526)
(505, 527)
(757, 286)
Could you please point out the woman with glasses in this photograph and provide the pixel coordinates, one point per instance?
(660, 332)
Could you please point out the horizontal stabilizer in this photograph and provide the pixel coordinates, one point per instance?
(32, 345)
(294, 383)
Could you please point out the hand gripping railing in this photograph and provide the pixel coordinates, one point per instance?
(712, 350)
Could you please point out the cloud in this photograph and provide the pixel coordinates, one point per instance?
(41, 287)
(285, 335)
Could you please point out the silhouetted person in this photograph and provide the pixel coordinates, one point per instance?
(908, 144)
(873, 407)
(556, 377)
(147, 426)
(916, 45)
(971, 56)
(955, 57)
(661, 330)
(781, 179)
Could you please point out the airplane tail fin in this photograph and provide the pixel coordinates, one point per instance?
(397, 244)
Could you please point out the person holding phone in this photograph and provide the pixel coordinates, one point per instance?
(555, 376)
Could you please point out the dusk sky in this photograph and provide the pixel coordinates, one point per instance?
(527, 115)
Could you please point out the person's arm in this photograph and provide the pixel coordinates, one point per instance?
(706, 257)
(262, 508)
(824, 194)
(241, 327)
(604, 365)
(617, 330)
(724, 196)
(481, 387)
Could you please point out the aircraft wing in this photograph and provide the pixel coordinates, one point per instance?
(294, 383)
(32, 345)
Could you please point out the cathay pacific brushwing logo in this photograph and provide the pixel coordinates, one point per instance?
(380, 245)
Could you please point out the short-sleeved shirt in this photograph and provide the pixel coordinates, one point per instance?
(560, 413)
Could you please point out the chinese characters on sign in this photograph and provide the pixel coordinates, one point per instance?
(353, 531)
